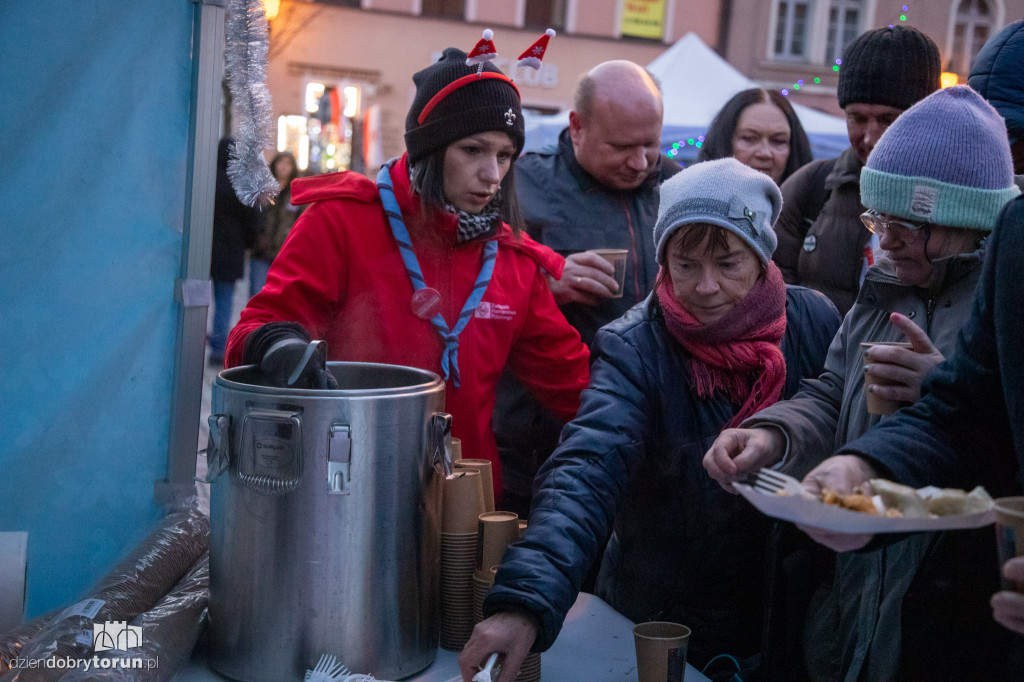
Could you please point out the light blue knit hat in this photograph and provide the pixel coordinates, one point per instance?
(726, 193)
(945, 160)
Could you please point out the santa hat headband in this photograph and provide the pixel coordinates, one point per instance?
(485, 51)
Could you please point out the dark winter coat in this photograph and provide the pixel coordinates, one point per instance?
(683, 549)
(996, 75)
(276, 222)
(821, 246)
(234, 223)
(566, 209)
(873, 624)
(967, 426)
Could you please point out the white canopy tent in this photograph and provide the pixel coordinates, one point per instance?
(696, 83)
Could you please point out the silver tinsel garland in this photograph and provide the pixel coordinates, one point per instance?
(246, 63)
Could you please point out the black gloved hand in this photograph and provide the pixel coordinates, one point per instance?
(288, 357)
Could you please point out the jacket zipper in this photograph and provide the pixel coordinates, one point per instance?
(632, 250)
(929, 311)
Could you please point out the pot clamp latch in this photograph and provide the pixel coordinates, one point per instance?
(339, 460)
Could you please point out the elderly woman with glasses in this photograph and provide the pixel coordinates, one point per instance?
(913, 608)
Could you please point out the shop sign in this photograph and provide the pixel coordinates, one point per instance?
(643, 18)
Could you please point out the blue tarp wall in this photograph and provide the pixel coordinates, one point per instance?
(94, 116)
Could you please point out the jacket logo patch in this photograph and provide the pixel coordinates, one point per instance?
(810, 243)
(494, 311)
(922, 202)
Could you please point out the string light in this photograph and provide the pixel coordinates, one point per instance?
(674, 150)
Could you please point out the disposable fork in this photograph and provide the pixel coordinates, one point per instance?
(327, 669)
(772, 482)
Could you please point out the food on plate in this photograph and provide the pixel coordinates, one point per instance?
(894, 500)
(900, 497)
(854, 502)
(949, 501)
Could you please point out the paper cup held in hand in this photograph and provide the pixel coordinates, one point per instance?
(661, 651)
(1009, 534)
(486, 481)
(876, 404)
(617, 257)
(462, 502)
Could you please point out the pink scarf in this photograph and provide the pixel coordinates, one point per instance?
(739, 354)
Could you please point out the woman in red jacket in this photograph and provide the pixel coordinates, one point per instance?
(419, 269)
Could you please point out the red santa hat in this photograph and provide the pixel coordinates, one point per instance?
(483, 51)
(533, 55)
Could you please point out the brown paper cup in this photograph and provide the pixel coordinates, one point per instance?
(522, 527)
(463, 502)
(1009, 535)
(487, 480)
(661, 651)
(877, 405)
(456, 449)
(495, 532)
(617, 257)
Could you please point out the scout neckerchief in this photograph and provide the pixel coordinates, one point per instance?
(425, 300)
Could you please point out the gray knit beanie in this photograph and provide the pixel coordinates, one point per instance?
(723, 192)
(945, 160)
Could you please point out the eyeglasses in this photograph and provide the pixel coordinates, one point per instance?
(877, 223)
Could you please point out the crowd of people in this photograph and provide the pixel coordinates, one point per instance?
(618, 413)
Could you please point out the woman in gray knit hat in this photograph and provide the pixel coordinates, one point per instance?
(914, 608)
(721, 337)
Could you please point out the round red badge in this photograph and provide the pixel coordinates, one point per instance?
(426, 303)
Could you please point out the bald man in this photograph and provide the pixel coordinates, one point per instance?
(597, 189)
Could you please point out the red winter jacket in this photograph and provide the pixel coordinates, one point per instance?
(340, 275)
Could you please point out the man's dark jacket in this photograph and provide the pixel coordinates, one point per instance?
(565, 208)
(683, 549)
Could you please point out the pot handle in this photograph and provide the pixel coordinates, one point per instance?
(439, 446)
(218, 449)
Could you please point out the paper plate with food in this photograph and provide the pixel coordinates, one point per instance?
(885, 507)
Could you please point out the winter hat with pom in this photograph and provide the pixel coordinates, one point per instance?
(945, 160)
(723, 192)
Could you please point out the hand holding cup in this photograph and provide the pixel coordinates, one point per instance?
(894, 371)
(587, 278)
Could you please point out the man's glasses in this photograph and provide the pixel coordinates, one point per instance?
(878, 223)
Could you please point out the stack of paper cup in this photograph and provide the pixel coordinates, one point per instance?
(495, 532)
(456, 449)
(482, 581)
(462, 504)
(487, 481)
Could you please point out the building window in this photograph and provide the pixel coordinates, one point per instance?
(545, 14)
(449, 9)
(843, 26)
(792, 29)
(972, 28)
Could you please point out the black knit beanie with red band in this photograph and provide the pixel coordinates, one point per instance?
(473, 105)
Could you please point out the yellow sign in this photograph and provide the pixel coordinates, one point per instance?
(643, 18)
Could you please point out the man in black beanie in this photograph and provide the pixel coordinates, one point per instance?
(822, 243)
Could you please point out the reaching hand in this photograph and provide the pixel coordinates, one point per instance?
(506, 632)
(1007, 606)
(737, 452)
(587, 278)
(841, 473)
(905, 368)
